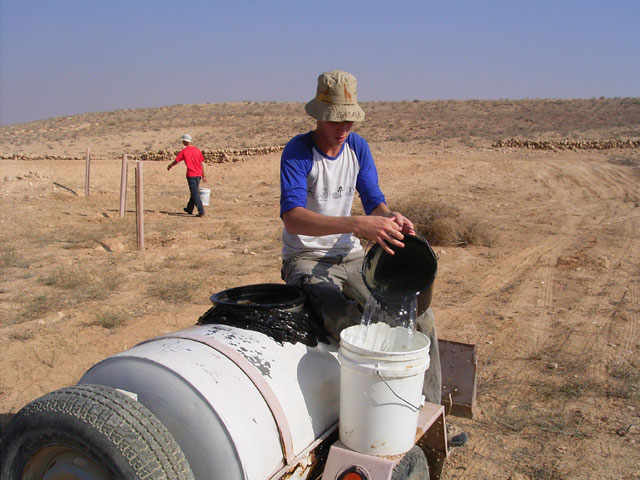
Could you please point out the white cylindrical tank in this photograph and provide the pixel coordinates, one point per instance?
(239, 404)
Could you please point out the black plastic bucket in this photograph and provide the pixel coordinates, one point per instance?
(410, 271)
(262, 295)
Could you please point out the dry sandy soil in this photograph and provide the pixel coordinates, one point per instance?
(553, 304)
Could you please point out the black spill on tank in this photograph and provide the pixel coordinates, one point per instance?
(282, 326)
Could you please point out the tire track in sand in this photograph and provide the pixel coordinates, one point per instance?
(530, 278)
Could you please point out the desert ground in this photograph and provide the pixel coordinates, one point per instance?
(550, 294)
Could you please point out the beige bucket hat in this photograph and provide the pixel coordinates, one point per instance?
(336, 99)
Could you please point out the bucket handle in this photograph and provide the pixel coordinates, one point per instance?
(411, 405)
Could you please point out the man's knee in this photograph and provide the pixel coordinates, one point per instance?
(337, 311)
(425, 323)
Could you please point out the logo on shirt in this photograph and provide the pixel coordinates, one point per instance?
(324, 195)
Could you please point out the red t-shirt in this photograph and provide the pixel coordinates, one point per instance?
(193, 159)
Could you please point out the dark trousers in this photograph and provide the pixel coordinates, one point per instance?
(194, 199)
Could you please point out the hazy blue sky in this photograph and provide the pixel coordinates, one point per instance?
(63, 57)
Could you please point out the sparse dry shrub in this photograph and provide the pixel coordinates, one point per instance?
(34, 307)
(110, 319)
(22, 336)
(66, 278)
(107, 281)
(624, 380)
(442, 231)
(477, 233)
(9, 258)
(180, 287)
(81, 285)
(443, 224)
(422, 212)
(88, 235)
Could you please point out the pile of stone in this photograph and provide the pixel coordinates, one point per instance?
(46, 156)
(222, 155)
(567, 144)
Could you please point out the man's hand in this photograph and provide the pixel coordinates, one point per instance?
(390, 230)
(204, 179)
(405, 224)
(382, 230)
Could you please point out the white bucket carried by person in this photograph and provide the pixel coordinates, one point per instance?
(205, 193)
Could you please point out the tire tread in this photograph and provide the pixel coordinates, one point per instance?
(130, 428)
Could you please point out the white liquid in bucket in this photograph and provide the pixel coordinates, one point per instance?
(204, 195)
(400, 315)
(380, 391)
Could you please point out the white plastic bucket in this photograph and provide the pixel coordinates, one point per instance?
(204, 195)
(380, 393)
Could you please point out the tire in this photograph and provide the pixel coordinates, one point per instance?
(89, 432)
(413, 466)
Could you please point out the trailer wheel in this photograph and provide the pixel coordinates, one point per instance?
(89, 432)
(413, 466)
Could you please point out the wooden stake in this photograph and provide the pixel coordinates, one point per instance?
(123, 187)
(139, 206)
(86, 173)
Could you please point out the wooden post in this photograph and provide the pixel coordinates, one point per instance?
(139, 206)
(123, 187)
(86, 173)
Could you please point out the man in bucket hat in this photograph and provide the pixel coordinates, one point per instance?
(320, 173)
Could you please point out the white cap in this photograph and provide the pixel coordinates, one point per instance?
(186, 138)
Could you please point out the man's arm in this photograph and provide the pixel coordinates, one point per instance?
(382, 226)
(175, 162)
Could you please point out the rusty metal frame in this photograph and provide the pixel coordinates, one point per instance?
(459, 363)
(431, 437)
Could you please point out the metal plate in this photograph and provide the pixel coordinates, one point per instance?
(459, 363)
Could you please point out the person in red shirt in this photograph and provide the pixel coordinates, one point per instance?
(194, 161)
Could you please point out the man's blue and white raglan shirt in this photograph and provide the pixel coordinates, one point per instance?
(326, 185)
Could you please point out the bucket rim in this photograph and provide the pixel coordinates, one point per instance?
(376, 249)
(382, 355)
(387, 369)
(292, 297)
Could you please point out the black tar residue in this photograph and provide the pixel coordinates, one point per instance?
(304, 326)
